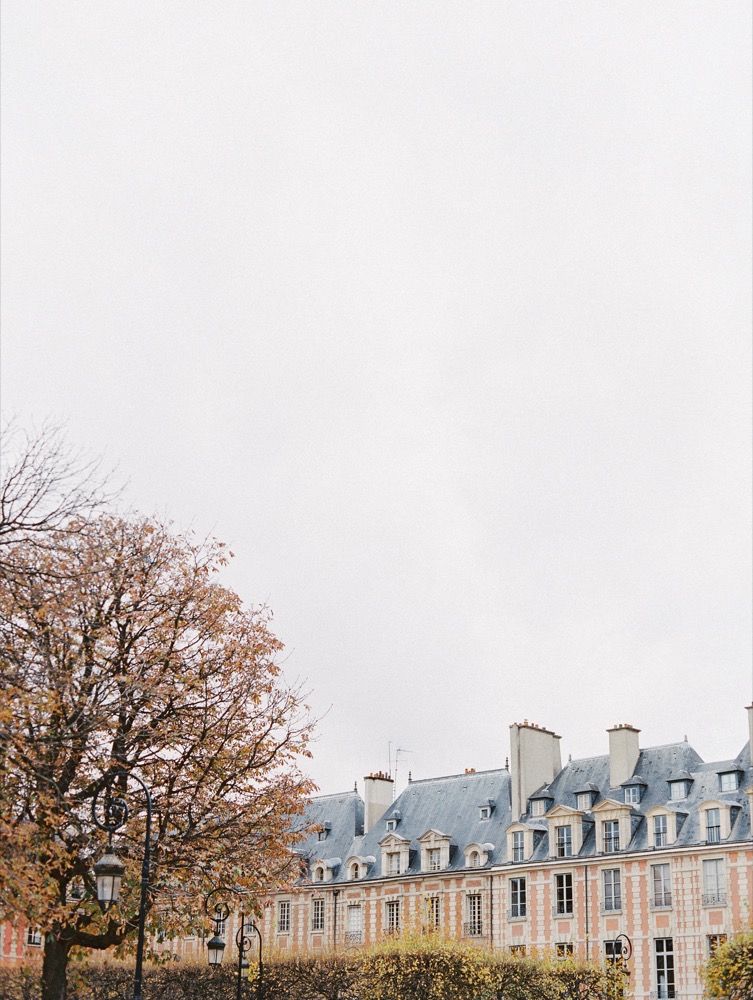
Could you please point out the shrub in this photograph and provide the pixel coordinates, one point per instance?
(729, 971)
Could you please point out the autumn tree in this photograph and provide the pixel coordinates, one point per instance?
(729, 971)
(45, 484)
(121, 653)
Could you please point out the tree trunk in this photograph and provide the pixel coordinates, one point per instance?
(54, 966)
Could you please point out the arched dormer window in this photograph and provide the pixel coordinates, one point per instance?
(357, 867)
(477, 855)
(319, 873)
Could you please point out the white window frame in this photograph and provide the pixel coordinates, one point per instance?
(537, 807)
(33, 937)
(611, 880)
(713, 823)
(661, 835)
(317, 915)
(728, 781)
(518, 845)
(563, 894)
(661, 885)
(392, 916)
(664, 967)
(714, 882)
(518, 897)
(611, 835)
(283, 916)
(678, 790)
(473, 913)
(632, 794)
(434, 859)
(564, 837)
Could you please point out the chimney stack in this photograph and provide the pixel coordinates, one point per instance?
(378, 793)
(534, 761)
(623, 753)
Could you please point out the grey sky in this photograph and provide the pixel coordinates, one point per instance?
(440, 313)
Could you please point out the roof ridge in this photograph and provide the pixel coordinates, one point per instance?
(446, 777)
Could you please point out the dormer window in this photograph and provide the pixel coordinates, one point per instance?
(678, 790)
(323, 831)
(713, 826)
(584, 800)
(484, 812)
(474, 859)
(355, 871)
(632, 794)
(393, 821)
(393, 863)
(537, 807)
(319, 873)
(729, 781)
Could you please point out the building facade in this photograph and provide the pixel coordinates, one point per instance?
(650, 847)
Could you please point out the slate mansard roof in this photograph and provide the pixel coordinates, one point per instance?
(452, 806)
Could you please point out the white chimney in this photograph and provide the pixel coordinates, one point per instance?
(378, 792)
(623, 753)
(534, 761)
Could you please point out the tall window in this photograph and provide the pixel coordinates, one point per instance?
(283, 916)
(714, 888)
(518, 846)
(713, 826)
(34, 937)
(564, 841)
(432, 912)
(474, 859)
(393, 863)
(393, 916)
(611, 830)
(517, 897)
(661, 880)
(317, 915)
(354, 925)
(563, 885)
(665, 968)
(435, 859)
(612, 889)
(660, 831)
(474, 926)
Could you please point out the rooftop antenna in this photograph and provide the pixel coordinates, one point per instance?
(397, 758)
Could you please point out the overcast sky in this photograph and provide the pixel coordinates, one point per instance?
(439, 313)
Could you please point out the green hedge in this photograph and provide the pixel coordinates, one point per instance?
(412, 968)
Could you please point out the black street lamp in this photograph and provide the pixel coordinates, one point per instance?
(109, 870)
(218, 912)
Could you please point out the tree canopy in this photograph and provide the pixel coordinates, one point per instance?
(121, 652)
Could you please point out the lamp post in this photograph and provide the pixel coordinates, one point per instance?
(109, 870)
(218, 913)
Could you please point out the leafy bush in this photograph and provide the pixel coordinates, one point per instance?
(411, 967)
(729, 971)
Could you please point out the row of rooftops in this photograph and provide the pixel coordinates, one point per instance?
(474, 811)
